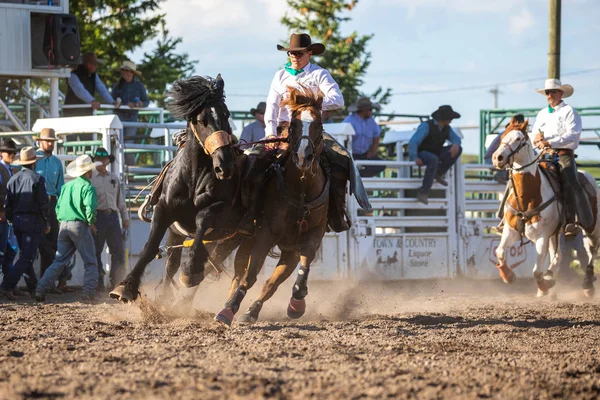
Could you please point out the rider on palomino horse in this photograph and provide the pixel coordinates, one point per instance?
(301, 71)
(557, 129)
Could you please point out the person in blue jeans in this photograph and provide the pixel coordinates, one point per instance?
(8, 151)
(427, 147)
(111, 203)
(76, 212)
(27, 210)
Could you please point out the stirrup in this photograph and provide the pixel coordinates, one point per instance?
(571, 230)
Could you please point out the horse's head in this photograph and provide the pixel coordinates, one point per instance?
(514, 140)
(201, 101)
(306, 126)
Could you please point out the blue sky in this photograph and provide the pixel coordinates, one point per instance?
(419, 45)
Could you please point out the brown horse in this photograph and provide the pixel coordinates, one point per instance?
(295, 216)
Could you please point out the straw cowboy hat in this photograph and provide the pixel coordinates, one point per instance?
(47, 134)
(130, 66)
(27, 156)
(555, 84)
(301, 42)
(81, 165)
(444, 113)
(8, 146)
(260, 108)
(362, 104)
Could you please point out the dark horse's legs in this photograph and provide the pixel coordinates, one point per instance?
(128, 290)
(173, 263)
(192, 271)
(285, 267)
(240, 263)
(262, 244)
(297, 305)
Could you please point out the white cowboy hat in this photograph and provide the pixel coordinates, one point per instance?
(555, 84)
(130, 66)
(81, 165)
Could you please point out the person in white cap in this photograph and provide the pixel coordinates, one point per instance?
(76, 211)
(558, 127)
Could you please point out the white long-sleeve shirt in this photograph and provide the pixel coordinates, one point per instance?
(314, 77)
(561, 128)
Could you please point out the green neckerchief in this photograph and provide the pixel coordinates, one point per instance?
(550, 109)
(292, 71)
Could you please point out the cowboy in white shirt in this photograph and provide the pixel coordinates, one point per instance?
(299, 70)
(558, 126)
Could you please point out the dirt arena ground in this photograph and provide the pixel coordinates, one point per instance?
(425, 340)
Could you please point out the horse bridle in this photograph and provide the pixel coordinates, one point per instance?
(515, 151)
(214, 141)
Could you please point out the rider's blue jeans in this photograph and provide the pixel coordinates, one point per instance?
(437, 165)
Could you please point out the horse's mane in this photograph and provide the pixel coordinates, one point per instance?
(302, 97)
(517, 123)
(188, 97)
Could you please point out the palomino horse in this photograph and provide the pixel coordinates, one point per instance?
(295, 212)
(200, 190)
(534, 212)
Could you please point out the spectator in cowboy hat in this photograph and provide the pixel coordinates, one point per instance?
(132, 93)
(427, 147)
(84, 82)
(51, 168)
(27, 210)
(111, 203)
(365, 141)
(255, 130)
(8, 150)
(76, 211)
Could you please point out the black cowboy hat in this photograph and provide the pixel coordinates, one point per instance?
(300, 42)
(261, 108)
(8, 146)
(445, 113)
(102, 153)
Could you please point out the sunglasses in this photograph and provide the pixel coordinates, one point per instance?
(552, 91)
(296, 53)
(101, 154)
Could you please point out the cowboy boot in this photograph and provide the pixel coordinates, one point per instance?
(570, 185)
(247, 225)
(337, 217)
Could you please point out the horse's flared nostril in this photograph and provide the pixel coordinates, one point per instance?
(218, 170)
(499, 158)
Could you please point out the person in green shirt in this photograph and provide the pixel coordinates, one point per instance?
(76, 212)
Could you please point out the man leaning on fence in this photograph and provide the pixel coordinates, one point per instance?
(111, 203)
(427, 147)
(76, 211)
(84, 82)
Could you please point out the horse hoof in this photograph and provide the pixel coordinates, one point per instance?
(296, 308)
(225, 316)
(549, 281)
(507, 274)
(189, 281)
(122, 293)
(542, 293)
(247, 319)
(589, 293)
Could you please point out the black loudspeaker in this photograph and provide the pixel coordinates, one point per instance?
(61, 39)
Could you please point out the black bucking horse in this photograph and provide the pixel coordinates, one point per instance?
(200, 190)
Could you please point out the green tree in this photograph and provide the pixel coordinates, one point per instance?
(164, 65)
(346, 57)
(115, 28)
